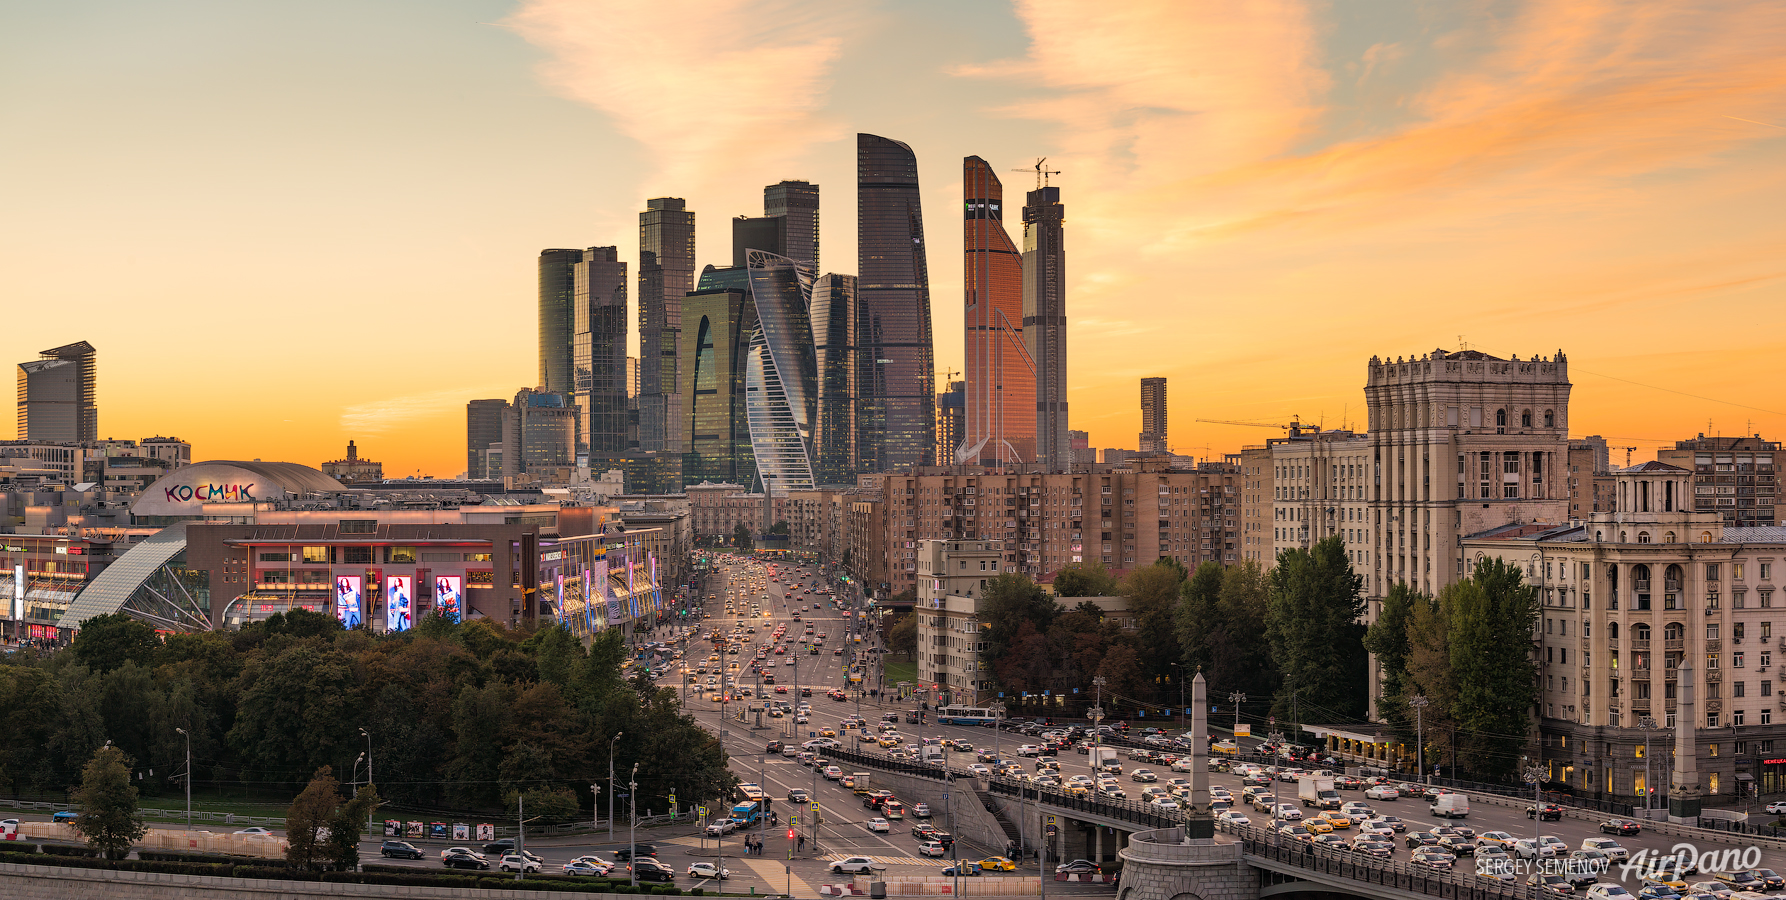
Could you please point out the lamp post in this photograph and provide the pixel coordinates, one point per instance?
(188, 737)
(611, 742)
(1237, 698)
(1180, 669)
(1649, 790)
(369, 782)
(1534, 775)
(1420, 703)
(632, 824)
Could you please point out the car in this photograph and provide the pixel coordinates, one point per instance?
(721, 827)
(639, 850)
(855, 865)
(1357, 810)
(1319, 825)
(646, 869)
(1233, 817)
(798, 795)
(1394, 822)
(586, 866)
(257, 831)
(1433, 858)
(1550, 884)
(1382, 792)
(921, 810)
(1606, 847)
(467, 851)
(1296, 831)
(1768, 877)
(399, 850)
(963, 869)
(880, 825)
(1777, 808)
(708, 870)
(460, 858)
(1458, 844)
(1366, 845)
(1736, 881)
(998, 864)
(1609, 891)
(1417, 839)
(1621, 827)
(1337, 819)
(506, 845)
(518, 862)
(1143, 775)
(1549, 811)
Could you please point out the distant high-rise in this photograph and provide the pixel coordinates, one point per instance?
(1084, 457)
(951, 422)
(540, 434)
(896, 372)
(781, 375)
(666, 275)
(59, 395)
(765, 233)
(599, 334)
(483, 430)
(557, 293)
(1153, 415)
(796, 203)
(1001, 380)
(1045, 321)
(715, 346)
(834, 341)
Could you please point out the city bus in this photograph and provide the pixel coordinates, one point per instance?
(968, 715)
(748, 812)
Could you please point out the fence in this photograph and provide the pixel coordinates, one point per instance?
(1383, 873)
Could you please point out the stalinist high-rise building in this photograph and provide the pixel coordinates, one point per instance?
(1000, 426)
(1045, 321)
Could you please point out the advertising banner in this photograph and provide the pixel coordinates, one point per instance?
(347, 600)
(486, 832)
(18, 592)
(399, 599)
(414, 829)
(1243, 730)
(632, 596)
(461, 831)
(393, 828)
(608, 600)
(558, 606)
(588, 603)
(449, 601)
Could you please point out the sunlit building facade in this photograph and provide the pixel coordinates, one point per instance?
(834, 342)
(715, 343)
(781, 374)
(896, 378)
(666, 275)
(557, 293)
(1045, 321)
(1000, 427)
(598, 358)
(58, 396)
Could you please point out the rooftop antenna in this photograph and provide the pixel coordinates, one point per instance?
(1041, 172)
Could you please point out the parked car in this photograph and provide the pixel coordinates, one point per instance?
(399, 850)
(708, 870)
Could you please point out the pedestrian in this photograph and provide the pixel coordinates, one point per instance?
(802, 844)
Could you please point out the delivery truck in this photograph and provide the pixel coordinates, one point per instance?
(1318, 792)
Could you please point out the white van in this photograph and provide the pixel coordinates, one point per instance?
(1451, 806)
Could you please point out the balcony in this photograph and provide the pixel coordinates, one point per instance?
(1640, 643)
(1671, 584)
(1675, 644)
(1640, 673)
(1641, 584)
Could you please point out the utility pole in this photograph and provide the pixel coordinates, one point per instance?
(1420, 703)
(611, 785)
(188, 777)
(521, 833)
(632, 825)
(1237, 698)
(369, 782)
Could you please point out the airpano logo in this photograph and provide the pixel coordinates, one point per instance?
(188, 493)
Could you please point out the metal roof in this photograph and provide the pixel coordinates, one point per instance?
(1765, 534)
(108, 592)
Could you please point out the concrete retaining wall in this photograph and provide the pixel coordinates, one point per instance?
(1158, 864)
(58, 883)
(972, 886)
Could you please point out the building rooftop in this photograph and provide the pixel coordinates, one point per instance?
(1653, 467)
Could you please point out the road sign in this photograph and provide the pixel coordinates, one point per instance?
(1051, 821)
(1051, 831)
(701, 811)
(815, 809)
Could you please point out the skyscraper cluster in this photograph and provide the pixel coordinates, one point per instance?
(1015, 317)
(766, 372)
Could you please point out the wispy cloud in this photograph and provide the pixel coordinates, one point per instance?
(392, 413)
(710, 88)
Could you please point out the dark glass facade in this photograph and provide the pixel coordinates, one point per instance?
(720, 323)
(1000, 406)
(781, 376)
(599, 327)
(557, 293)
(1045, 321)
(483, 427)
(896, 377)
(766, 233)
(796, 203)
(666, 275)
(834, 342)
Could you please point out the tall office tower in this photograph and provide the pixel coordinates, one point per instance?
(721, 319)
(1045, 321)
(896, 369)
(951, 422)
(796, 203)
(1153, 415)
(765, 233)
(781, 374)
(540, 435)
(59, 395)
(1464, 442)
(599, 333)
(483, 429)
(834, 343)
(557, 294)
(1001, 379)
(666, 275)
(1084, 457)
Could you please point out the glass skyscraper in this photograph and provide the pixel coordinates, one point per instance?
(666, 275)
(721, 319)
(58, 397)
(896, 378)
(796, 203)
(557, 293)
(834, 342)
(599, 335)
(1000, 426)
(781, 376)
(1045, 321)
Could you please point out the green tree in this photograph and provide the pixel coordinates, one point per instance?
(342, 848)
(1493, 614)
(546, 806)
(741, 538)
(30, 707)
(1199, 618)
(779, 528)
(903, 636)
(1387, 641)
(1153, 593)
(1173, 564)
(109, 818)
(106, 642)
(296, 708)
(1239, 653)
(1428, 669)
(307, 820)
(1007, 603)
(1312, 624)
(1085, 580)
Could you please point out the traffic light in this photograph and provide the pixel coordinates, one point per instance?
(790, 834)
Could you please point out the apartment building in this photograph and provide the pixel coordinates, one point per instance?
(717, 509)
(1258, 488)
(1732, 476)
(1320, 488)
(1629, 597)
(951, 581)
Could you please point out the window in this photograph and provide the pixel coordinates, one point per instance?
(316, 555)
(359, 526)
(400, 555)
(1738, 690)
(1550, 418)
(1500, 418)
(1711, 571)
(275, 557)
(1525, 419)
(1767, 571)
(356, 556)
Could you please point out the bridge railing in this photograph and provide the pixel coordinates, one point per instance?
(1373, 871)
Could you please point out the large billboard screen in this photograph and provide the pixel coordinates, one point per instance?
(449, 600)
(399, 598)
(558, 602)
(347, 600)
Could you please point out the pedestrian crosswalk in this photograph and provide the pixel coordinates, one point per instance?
(893, 860)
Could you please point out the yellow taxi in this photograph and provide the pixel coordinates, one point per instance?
(829, 732)
(997, 864)
(1337, 819)
(1318, 826)
(715, 698)
(886, 741)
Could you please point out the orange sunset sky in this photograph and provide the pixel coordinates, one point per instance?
(289, 225)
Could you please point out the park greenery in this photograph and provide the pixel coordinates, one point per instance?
(109, 818)
(461, 716)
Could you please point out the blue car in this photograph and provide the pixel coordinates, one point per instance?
(67, 815)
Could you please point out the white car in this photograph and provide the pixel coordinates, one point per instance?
(932, 848)
(1613, 850)
(1165, 803)
(1029, 750)
(1608, 891)
(256, 831)
(1233, 817)
(722, 827)
(1287, 812)
(979, 769)
(515, 862)
(1777, 808)
(1381, 792)
(879, 825)
(856, 865)
(708, 870)
(1356, 810)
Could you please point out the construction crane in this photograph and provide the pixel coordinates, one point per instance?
(947, 375)
(1041, 173)
(1294, 428)
(1627, 454)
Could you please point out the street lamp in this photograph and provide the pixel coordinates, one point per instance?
(369, 781)
(1180, 669)
(188, 737)
(1649, 789)
(1237, 698)
(611, 741)
(1420, 703)
(632, 824)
